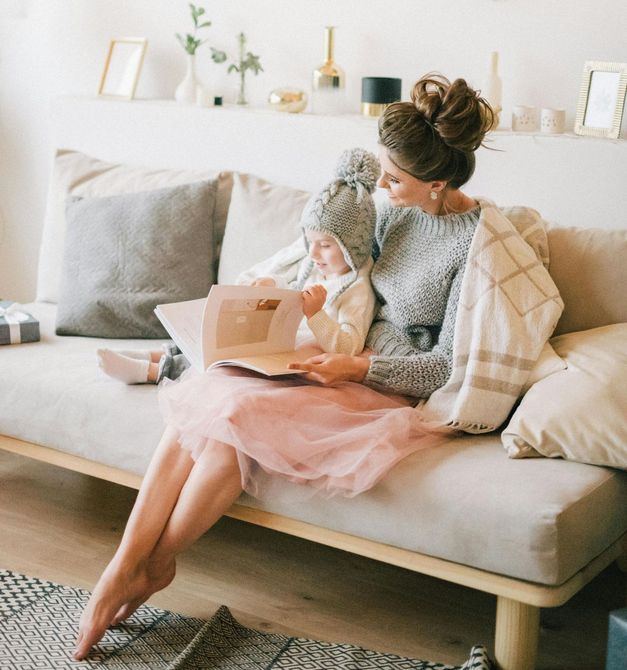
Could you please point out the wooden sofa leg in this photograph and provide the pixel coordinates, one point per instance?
(516, 638)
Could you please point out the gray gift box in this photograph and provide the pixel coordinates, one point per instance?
(26, 330)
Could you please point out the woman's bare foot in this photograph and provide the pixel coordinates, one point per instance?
(160, 576)
(116, 586)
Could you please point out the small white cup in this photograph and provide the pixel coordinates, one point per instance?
(524, 118)
(204, 97)
(552, 120)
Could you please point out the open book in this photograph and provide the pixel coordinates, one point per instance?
(252, 327)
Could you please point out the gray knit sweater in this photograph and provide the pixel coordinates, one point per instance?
(419, 264)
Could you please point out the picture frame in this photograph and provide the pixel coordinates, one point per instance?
(122, 67)
(601, 99)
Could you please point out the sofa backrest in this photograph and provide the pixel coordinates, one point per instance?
(589, 266)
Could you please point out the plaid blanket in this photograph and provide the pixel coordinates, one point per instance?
(508, 308)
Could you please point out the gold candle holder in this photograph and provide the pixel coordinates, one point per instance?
(377, 93)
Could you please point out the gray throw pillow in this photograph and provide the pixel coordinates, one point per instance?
(125, 254)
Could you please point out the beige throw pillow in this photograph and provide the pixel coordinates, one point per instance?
(263, 218)
(548, 362)
(580, 413)
(77, 174)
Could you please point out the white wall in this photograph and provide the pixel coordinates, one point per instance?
(59, 48)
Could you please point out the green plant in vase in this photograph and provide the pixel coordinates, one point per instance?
(247, 61)
(191, 42)
(186, 91)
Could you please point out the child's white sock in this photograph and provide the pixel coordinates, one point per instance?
(139, 354)
(126, 369)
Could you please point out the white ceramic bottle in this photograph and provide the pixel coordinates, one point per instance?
(493, 89)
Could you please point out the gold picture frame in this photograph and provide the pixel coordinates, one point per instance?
(122, 68)
(601, 99)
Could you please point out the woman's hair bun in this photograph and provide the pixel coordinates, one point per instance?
(454, 111)
(358, 166)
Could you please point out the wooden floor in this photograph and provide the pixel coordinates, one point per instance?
(63, 526)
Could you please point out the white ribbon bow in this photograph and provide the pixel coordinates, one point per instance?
(13, 314)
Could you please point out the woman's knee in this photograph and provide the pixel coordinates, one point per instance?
(219, 455)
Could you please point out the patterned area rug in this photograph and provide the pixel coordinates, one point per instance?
(38, 622)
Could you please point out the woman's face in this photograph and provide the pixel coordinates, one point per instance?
(404, 190)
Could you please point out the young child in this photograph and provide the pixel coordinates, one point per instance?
(334, 275)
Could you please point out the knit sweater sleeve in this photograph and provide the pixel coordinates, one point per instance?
(344, 331)
(408, 371)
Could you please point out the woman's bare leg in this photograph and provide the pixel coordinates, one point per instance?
(124, 577)
(211, 488)
(177, 503)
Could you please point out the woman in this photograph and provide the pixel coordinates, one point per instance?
(422, 240)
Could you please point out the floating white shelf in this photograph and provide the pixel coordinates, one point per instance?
(568, 178)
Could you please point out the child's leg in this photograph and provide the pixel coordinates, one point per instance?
(171, 365)
(139, 354)
(118, 366)
(142, 368)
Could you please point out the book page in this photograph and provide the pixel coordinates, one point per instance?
(242, 321)
(183, 321)
(272, 364)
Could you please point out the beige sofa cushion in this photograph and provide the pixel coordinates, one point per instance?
(579, 413)
(75, 173)
(464, 501)
(262, 218)
(589, 267)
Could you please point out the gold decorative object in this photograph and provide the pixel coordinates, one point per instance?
(377, 93)
(328, 80)
(329, 74)
(291, 100)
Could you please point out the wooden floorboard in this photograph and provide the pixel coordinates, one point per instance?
(63, 526)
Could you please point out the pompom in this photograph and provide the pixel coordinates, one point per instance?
(358, 166)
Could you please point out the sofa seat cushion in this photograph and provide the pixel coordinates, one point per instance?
(465, 501)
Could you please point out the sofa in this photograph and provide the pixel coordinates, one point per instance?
(530, 513)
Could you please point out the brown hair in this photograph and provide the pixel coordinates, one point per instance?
(434, 136)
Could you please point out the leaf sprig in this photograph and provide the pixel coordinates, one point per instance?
(191, 42)
(247, 61)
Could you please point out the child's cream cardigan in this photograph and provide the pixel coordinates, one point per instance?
(342, 325)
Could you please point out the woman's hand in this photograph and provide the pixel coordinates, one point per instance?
(264, 281)
(313, 299)
(330, 369)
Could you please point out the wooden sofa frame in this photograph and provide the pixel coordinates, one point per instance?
(518, 602)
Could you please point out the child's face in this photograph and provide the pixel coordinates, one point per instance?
(326, 254)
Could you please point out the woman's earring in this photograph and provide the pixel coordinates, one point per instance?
(433, 195)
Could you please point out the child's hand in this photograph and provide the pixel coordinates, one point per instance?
(264, 281)
(313, 300)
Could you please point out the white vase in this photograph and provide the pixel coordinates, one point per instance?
(493, 89)
(186, 90)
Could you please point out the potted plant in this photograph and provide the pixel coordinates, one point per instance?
(247, 61)
(186, 90)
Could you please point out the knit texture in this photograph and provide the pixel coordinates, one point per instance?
(345, 210)
(420, 261)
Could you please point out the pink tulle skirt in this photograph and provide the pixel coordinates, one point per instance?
(332, 440)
